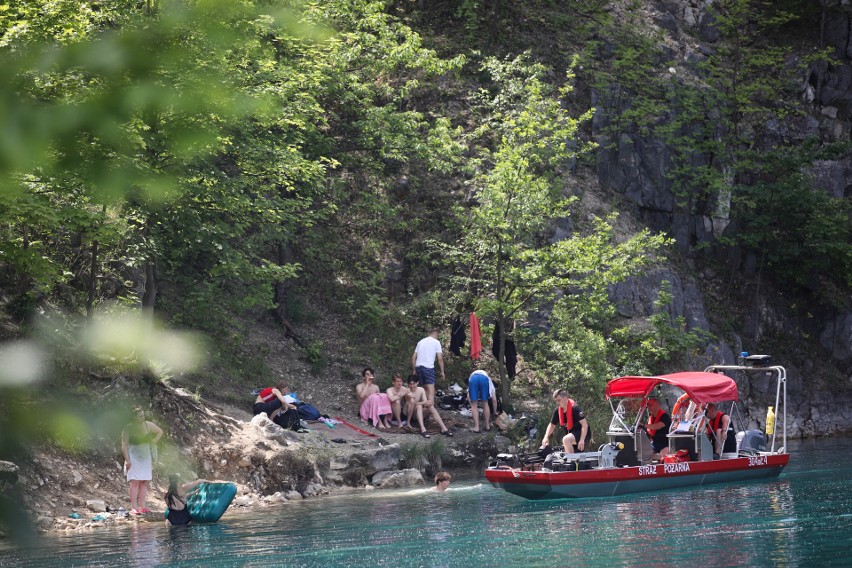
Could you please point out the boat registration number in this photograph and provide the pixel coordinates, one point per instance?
(757, 460)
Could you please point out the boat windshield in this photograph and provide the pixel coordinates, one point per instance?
(626, 416)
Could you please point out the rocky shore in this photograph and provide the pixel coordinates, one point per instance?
(65, 491)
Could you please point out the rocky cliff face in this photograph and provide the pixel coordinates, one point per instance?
(636, 166)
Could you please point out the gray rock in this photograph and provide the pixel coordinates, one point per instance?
(96, 505)
(291, 495)
(76, 477)
(8, 472)
(396, 479)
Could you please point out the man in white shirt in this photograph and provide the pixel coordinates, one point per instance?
(423, 362)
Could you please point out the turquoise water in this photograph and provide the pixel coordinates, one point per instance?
(803, 518)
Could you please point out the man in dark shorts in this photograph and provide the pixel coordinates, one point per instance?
(423, 362)
(658, 426)
(571, 417)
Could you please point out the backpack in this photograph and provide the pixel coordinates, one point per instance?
(308, 412)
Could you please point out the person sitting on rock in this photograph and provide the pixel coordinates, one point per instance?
(273, 401)
(375, 405)
(417, 402)
(396, 395)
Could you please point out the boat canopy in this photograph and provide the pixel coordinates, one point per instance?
(699, 385)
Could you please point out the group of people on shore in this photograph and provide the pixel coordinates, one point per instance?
(409, 403)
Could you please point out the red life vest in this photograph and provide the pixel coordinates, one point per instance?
(714, 424)
(566, 417)
(654, 420)
(266, 394)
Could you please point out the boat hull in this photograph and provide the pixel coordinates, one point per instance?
(637, 479)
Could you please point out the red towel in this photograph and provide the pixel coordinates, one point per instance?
(475, 337)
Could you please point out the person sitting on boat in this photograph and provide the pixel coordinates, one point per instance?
(720, 431)
(571, 417)
(658, 426)
(175, 497)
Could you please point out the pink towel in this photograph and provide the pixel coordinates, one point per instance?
(475, 337)
(377, 404)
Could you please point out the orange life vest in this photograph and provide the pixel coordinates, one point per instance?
(654, 420)
(566, 417)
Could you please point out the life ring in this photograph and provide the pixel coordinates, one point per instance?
(684, 398)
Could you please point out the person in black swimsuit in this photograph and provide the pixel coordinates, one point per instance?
(176, 500)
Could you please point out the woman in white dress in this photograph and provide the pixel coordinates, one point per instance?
(138, 440)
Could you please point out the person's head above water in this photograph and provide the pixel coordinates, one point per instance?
(442, 481)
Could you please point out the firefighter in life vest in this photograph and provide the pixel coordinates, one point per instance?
(571, 417)
(720, 431)
(657, 427)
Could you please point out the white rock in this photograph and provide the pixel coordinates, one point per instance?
(242, 501)
(293, 495)
(76, 477)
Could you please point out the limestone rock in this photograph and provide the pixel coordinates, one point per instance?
(395, 479)
(96, 505)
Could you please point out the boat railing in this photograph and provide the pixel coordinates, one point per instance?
(780, 374)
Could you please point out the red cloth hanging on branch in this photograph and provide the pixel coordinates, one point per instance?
(475, 337)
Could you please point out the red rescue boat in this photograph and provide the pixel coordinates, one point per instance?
(625, 463)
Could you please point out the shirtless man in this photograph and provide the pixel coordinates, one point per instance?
(417, 402)
(364, 389)
(397, 394)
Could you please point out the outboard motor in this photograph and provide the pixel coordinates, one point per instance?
(751, 442)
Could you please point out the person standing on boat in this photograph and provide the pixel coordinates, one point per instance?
(658, 426)
(571, 417)
(720, 431)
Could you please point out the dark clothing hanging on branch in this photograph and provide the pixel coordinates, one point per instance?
(509, 350)
(457, 335)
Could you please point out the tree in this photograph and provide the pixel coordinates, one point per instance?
(507, 258)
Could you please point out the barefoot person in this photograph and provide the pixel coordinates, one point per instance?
(479, 388)
(571, 417)
(176, 496)
(138, 440)
(423, 362)
(375, 406)
(417, 402)
(273, 401)
(442, 481)
(396, 395)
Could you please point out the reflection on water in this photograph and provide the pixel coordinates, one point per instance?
(802, 518)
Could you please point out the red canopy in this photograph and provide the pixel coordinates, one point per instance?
(700, 386)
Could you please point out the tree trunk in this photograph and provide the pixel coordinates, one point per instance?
(149, 296)
(93, 276)
(505, 387)
(281, 291)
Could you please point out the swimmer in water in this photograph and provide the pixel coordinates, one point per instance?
(442, 481)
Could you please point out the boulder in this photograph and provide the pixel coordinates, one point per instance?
(395, 479)
(96, 505)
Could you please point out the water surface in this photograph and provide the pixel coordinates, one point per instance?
(803, 518)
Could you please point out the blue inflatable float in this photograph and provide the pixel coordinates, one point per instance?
(209, 501)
